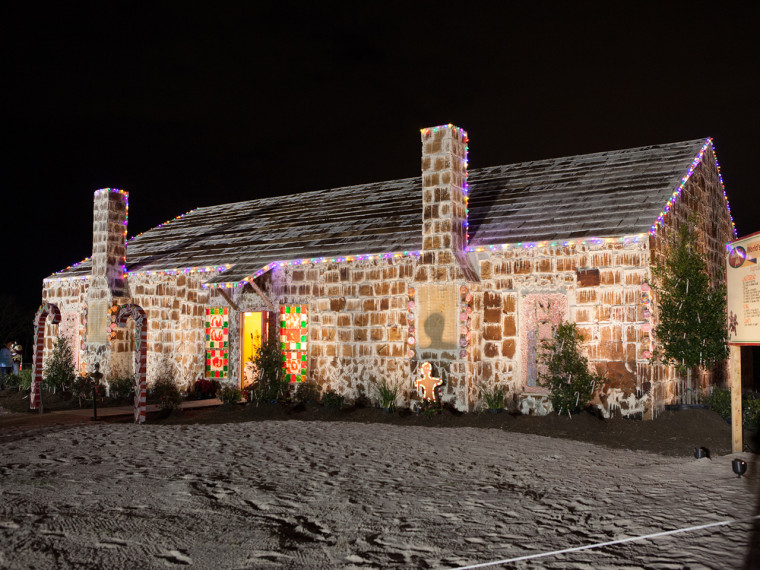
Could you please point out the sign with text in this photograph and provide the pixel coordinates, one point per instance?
(743, 290)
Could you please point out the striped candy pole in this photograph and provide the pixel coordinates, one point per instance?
(51, 310)
(141, 354)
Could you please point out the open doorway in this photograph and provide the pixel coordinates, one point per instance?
(253, 333)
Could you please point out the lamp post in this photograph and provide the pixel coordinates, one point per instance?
(96, 376)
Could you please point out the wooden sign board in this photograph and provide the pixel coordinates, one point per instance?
(743, 312)
(743, 290)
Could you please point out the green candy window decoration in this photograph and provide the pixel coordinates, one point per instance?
(294, 333)
(217, 342)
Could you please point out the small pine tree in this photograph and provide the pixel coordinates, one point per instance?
(269, 385)
(59, 373)
(564, 370)
(692, 329)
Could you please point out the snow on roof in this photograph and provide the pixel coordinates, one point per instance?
(604, 194)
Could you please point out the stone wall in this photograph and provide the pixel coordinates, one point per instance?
(358, 320)
(174, 306)
(600, 283)
(70, 296)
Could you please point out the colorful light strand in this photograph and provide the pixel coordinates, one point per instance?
(176, 271)
(557, 243)
(465, 161)
(125, 194)
(312, 261)
(671, 202)
(167, 222)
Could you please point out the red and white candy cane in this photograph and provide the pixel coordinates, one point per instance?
(141, 354)
(45, 311)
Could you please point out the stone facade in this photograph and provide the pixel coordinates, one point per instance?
(476, 313)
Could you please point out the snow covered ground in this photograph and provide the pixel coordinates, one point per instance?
(349, 495)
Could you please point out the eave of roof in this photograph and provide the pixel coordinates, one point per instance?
(601, 195)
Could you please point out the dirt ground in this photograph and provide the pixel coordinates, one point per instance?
(673, 433)
(306, 486)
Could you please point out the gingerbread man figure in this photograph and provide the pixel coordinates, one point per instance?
(427, 382)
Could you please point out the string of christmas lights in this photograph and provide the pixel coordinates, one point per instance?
(312, 261)
(464, 137)
(176, 271)
(167, 222)
(671, 202)
(536, 244)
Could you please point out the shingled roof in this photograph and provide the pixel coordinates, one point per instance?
(606, 194)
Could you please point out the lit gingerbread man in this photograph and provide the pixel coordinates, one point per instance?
(428, 382)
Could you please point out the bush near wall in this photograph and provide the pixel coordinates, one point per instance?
(565, 371)
(719, 401)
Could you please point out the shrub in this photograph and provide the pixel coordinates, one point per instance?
(429, 408)
(720, 402)
(305, 392)
(204, 389)
(22, 380)
(331, 399)
(228, 395)
(59, 371)
(121, 387)
(386, 392)
(494, 397)
(565, 371)
(268, 385)
(167, 393)
(751, 411)
(81, 389)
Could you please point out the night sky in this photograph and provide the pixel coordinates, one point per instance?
(193, 106)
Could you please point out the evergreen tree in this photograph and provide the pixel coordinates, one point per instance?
(565, 371)
(692, 328)
(59, 373)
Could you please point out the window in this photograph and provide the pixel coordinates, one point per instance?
(217, 342)
(294, 334)
(539, 314)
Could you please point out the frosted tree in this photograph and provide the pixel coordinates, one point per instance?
(692, 329)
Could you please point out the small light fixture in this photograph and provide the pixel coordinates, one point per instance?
(700, 452)
(739, 466)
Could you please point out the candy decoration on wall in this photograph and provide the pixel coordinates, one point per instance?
(217, 342)
(294, 335)
(427, 385)
(645, 302)
(112, 326)
(45, 311)
(465, 320)
(410, 339)
(123, 314)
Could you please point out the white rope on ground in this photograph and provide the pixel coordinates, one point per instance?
(610, 543)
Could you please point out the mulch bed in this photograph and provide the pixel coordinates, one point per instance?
(673, 432)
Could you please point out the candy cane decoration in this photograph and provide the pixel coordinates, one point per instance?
(141, 354)
(48, 309)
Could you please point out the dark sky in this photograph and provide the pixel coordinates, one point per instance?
(200, 104)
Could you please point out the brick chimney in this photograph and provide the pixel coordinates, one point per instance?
(109, 246)
(109, 254)
(444, 203)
